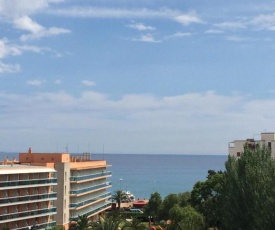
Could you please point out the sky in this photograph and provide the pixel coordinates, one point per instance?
(125, 76)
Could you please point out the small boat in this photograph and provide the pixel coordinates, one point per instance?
(130, 196)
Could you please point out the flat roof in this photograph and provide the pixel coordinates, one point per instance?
(19, 168)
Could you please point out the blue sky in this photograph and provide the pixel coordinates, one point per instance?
(181, 77)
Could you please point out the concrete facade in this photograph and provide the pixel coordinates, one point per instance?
(235, 148)
(82, 184)
(27, 196)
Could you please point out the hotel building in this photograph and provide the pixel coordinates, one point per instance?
(27, 196)
(82, 187)
(236, 147)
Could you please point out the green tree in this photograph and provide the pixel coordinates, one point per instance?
(135, 224)
(153, 205)
(184, 199)
(81, 223)
(249, 198)
(176, 214)
(191, 219)
(105, 223)
(118, 196)
(206, 197)
(168, 202)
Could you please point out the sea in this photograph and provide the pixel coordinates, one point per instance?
(145, 174)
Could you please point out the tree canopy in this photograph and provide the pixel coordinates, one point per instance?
(118, 196)
(249, 197)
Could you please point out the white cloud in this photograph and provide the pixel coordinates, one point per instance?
(44, 33)
(88, 83)
(7, 49)
(18, 8)
(259, 22)
(232, 25)
(116, 13)
(8, 68)
(187, 19)
(264, 21)
(18, 12)
(146, 38)
(178, 35)
(25, 23)
(35, 82)
(37, 31)
(188, 123)
(141, 27)
(214, 31)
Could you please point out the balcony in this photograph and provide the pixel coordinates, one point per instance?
(90, 213)
(90, 201)
(24, 199)
(4, 218)
(90, 189)
(21, 183)
(88, 177)
(49, 225)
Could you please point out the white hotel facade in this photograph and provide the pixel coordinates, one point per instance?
(235, 148)
(44, 190)
(27, 197)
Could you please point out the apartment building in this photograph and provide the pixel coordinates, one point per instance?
(82, 187)
(27, 196)
(235, 148)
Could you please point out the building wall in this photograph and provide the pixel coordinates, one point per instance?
(236, 147)
(31, 157)
(82, 184)
(89, 195)
(63, 189)
(26, 197)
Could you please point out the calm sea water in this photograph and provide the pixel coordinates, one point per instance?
(145, 174)
(165, 174)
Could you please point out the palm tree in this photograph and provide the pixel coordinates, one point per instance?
(81, 223)
(118, 196)
(106, 224)
(135, 224)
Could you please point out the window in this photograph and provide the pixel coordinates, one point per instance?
(238, 154)
(269, 145)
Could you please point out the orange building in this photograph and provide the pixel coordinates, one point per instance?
(82, 186)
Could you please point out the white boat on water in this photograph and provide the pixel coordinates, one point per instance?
(130, 196)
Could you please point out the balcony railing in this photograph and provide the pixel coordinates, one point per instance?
(49, 211)
(90, 189)
(48, 225)
(80, 204)
(27, 182)
(27, 198)
(103, 207)
(87, 177)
